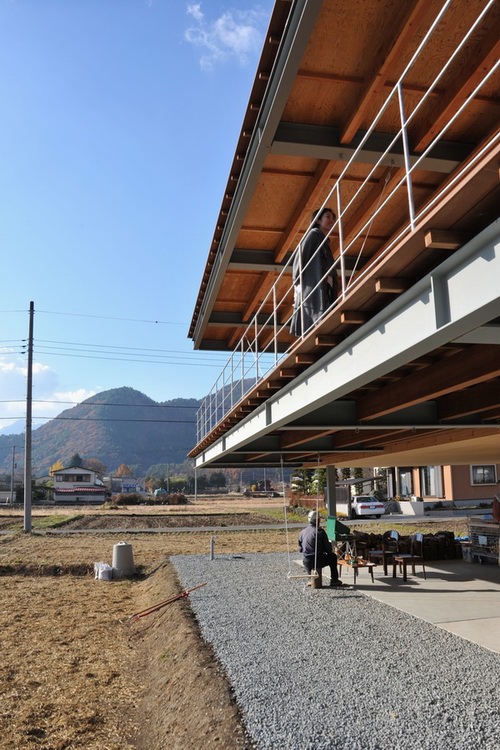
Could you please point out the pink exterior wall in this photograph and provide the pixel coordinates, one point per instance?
(463, 488)
(447, 477)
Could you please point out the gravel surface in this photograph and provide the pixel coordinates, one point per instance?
(335, 669)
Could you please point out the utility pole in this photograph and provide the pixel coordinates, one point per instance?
(12, 474)
(27, 451)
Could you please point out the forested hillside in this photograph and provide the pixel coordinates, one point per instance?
(118, 426)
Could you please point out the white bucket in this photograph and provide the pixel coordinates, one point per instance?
(123, 560)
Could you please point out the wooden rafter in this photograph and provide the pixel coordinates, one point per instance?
(480, 398)
(412, 14)
(481, 60)
(479, 364)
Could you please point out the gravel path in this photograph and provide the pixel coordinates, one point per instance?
(335, 669)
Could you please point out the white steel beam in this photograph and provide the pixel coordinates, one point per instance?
(458, 297)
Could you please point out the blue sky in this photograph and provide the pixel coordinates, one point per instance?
(119, 124)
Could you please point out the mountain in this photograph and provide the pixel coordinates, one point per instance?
(118, 426)
(16, 428)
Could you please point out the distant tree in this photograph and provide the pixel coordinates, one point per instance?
(202, 482)
(157, 470)
(217, 480)
(123, 471)
(56, 467)
(75, 460)
(177, 483)
(358, 488)
(95, 465)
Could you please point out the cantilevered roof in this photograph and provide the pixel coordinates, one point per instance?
(322, 107)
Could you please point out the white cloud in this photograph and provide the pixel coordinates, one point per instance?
(234, 35)
(48, 396)
(195, 11)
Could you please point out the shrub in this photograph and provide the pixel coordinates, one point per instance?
(128, 498)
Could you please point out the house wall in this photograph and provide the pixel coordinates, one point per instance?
(463, 489)
(62, 478)
(448, 482)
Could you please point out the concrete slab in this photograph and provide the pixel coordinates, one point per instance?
(460, 597)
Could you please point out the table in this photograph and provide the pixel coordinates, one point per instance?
(356, 566)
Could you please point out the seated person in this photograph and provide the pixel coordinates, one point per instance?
(317, 550)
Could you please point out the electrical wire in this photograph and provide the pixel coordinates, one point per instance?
(101, 403)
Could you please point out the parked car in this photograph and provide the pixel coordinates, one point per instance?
(366, 505)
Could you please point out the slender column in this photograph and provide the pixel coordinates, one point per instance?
(27, 451)
(331, 493)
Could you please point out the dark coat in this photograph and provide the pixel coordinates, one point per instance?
(314, 540)
(310, 268)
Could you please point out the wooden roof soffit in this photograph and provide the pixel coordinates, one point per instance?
(411, 16)
(481, 59)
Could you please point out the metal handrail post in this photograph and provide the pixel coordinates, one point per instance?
(275, 325)
(341, 240)
(406, 152)
(256, 350)
(242, 367)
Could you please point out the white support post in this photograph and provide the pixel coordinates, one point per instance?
(406, 152)
(341, 239)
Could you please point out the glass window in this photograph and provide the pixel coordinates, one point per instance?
(430, 481)
(483, 474)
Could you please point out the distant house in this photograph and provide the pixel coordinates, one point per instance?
(77, 485)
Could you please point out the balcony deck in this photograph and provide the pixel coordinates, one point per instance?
(391, 118)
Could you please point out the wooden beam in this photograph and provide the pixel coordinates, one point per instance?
(273, 386)
(298, 437)
(288, 372)
(259, 292)
(411, 15)
(391, 286)
(481, 59)
(305, 359)
(445, 239)
(326, 342)
(483, 397)
(450, 375)
(311, 195)
(355, 317)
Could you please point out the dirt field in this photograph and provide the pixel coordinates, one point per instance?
(76, 672)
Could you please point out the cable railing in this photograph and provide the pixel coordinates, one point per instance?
(258, 352)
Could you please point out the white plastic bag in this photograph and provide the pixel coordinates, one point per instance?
(103, 571)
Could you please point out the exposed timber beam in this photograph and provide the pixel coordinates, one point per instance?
(322, 142)
(482, 57)
(444, 239)
(232, 319)
(263, 261)
(477, 399)
(392, 286)
(452, 374)
(407, 17)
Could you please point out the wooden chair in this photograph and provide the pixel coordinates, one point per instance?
(415, 557)
(390, 547)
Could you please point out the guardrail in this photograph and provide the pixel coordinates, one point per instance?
(257, 353)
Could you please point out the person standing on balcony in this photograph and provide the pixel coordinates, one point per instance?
(314, 279)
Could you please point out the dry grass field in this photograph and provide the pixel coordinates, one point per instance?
(76, 672)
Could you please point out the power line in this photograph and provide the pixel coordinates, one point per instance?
(110, 419)
(215, 355)
(102, 403)
(125, 359)
(108, 317)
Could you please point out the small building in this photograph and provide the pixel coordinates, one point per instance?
(76, 485)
